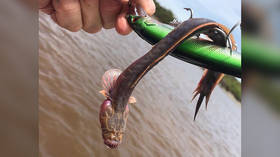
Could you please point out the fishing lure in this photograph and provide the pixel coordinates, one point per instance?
(220, 36)
(195, 51)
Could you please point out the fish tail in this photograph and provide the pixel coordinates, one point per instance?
(206, 85)
(198, 104)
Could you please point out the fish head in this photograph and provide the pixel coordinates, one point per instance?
(113, 123)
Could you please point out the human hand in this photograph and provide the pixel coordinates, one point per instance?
(92, 15)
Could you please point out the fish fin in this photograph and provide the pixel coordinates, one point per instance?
(132, 100)
(206, 85)
(195, 94)
(198, 104)
(207, 100)
(218, 80)
(104, 93)
(200, 85)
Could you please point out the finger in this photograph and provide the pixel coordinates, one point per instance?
(68, 14)
(46, 6)
(122, 26)
(109, 10)
(48, 9)
(43, 3)
(90, 15)
(147, 5)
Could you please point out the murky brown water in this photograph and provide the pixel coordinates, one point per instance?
(160, 123)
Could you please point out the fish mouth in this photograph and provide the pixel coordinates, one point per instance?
(111, 143)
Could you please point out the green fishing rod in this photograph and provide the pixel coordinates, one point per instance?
(192, 51)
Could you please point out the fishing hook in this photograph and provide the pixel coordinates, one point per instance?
(227, 37)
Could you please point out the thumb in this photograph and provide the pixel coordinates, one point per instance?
(121, 25)
(147, 5)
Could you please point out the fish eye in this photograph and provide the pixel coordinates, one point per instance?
(135, 19)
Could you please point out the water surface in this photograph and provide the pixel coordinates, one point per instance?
(160, 123)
